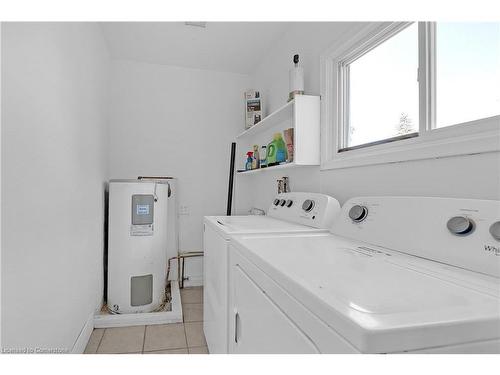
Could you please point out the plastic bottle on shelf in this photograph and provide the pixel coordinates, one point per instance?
(276, 150)
(248, 164)
(263, 156)
(256, 158)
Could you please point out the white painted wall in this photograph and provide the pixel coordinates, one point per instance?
(54, 166)
(0, 190)
(167, 120)
(465, 176)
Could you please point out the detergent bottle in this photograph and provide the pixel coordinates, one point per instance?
(256, 158)
(263, 156)
(276, 150)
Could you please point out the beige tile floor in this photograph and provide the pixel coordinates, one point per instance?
(178, 338)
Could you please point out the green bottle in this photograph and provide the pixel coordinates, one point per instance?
(276, 150)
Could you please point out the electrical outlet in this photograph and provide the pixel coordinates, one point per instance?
(183, 210)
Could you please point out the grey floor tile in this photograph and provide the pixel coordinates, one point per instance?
(194, 334)
(165, 336)
(122, 340)
(193, 312)
(198, 350)
(192, 295)
(169, 351)
(94, 341)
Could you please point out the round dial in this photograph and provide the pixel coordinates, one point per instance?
(282, 202)
(495, 230)
(460, 225)
(289, 203)
(308, 205)
(358, 213)
(276, 202)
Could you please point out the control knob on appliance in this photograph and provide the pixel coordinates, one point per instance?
(460, 225)
(289, 203)
(495, 230)
(358, 213)
(308, 205)
(276, 202)
(282, 202)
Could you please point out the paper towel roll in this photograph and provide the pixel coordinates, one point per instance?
(296, 77)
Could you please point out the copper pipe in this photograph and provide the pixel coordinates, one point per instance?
(180, 276)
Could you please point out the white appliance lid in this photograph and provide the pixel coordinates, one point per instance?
(380, 300)
(246, 224)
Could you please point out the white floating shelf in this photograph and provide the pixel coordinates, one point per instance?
(273, 168)
(303, 115)
(277, 117)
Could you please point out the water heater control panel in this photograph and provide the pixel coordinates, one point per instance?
(142, 215)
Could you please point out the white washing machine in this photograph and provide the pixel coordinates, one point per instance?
(289, 213)
(396, 275)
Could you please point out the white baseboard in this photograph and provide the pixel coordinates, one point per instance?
(127, 320)
(84, 336)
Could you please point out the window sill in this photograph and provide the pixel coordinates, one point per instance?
(474, 137)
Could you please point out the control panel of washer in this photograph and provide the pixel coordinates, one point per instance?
(358, 213)
(460, 232)
(312, 209)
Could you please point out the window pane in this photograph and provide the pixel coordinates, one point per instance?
(383, 90)
(467, 72)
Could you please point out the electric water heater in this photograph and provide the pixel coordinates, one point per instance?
(138, 241)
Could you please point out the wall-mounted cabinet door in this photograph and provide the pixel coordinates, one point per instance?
(259, 325)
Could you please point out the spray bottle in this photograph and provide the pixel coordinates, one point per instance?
(248, 164)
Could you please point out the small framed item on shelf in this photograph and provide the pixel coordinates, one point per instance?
(253, 108)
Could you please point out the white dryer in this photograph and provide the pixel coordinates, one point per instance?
(397, 274)
(288, 213)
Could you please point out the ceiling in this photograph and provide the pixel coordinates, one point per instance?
(223, 46)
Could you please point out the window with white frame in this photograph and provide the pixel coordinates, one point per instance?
(406, 91)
